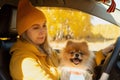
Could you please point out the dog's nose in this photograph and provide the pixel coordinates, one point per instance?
(76, 55)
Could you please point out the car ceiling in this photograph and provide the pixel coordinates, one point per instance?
(89, 6)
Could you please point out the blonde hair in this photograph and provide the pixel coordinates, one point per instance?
(44, 47)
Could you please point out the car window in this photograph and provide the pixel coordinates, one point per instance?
(117, 4)
(65, 23)
(109, 2)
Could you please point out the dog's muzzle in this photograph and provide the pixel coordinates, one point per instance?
(76, 60)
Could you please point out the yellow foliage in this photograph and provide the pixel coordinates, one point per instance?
(107, 31)
(58, 19)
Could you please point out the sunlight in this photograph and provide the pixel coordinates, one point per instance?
(96, 20)
(117, 4)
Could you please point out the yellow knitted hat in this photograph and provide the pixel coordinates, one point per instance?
(27, 15)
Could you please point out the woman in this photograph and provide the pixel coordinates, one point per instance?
(32, 57)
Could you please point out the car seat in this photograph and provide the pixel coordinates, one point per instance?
(5, 59)
(8, 36)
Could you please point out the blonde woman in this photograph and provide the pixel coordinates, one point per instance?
(32, 57)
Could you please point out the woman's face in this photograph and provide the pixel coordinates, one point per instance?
(37, 33)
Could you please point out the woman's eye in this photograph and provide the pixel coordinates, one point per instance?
(36, 27)
(44, 25)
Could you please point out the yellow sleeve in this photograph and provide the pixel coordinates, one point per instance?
(32, 70)
(28, 68)
(99, 57)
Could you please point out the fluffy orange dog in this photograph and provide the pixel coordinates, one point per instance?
(77, 60)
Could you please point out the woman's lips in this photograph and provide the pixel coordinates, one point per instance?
(40, 37)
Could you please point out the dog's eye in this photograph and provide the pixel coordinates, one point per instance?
(72, 52)
(81, 53)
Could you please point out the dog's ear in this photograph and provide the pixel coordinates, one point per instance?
(69, 43)
(85, 44)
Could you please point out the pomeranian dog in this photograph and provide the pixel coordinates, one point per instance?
(76, 61)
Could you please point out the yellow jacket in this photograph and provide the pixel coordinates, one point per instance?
(28, 63)
(99, 57)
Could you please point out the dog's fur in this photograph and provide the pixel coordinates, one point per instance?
(76, 57)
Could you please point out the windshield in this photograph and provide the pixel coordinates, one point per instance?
(66, 24)
(117, 4)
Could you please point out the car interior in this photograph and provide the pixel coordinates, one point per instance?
(8, 34)
(10, 37)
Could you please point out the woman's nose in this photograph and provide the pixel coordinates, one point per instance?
(42, 31)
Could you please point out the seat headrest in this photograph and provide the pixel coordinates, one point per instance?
(6, 44)
(6, 21)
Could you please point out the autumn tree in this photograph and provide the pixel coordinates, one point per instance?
(58, 19)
